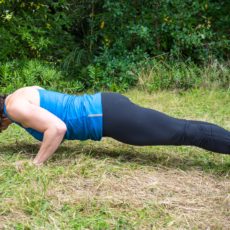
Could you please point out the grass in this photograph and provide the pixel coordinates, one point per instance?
(109, 185)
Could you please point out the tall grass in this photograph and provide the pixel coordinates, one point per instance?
(159, 75)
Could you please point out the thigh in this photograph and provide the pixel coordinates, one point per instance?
(133, 124)
(115, 113)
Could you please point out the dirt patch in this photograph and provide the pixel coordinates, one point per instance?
(192, 198)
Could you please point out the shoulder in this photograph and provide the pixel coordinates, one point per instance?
(23, 95)
(24, 90)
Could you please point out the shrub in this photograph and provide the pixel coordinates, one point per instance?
(102, 43)
(35, 29)
(16, 74)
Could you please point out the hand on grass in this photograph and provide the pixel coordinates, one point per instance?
(22, 164)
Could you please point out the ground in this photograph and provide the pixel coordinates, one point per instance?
(109, 185)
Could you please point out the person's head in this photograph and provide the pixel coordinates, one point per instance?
(4, 121)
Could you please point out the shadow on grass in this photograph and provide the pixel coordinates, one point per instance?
(209, 162)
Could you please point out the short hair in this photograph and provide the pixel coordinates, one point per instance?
(2, 102)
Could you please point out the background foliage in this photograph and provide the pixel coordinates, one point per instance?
(106, 43)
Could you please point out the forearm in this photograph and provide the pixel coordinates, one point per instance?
(51, 141)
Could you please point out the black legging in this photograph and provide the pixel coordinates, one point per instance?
(135, 125)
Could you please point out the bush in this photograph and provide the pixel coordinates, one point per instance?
(53, 30)
(18, 74)
(102, 43)
(113, 73)
(35, 29)
(184, 29)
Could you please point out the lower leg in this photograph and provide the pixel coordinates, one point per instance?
(208, 136)
(165, 130)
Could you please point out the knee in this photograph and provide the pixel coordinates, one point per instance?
(196, 133)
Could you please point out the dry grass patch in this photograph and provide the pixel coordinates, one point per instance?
(192, 198)
(196, 199)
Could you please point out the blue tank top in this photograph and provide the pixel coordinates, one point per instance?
(81, 114)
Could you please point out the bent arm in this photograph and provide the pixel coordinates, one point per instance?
(52, 138)
(37, 118)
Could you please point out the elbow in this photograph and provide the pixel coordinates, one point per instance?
(61, 129)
